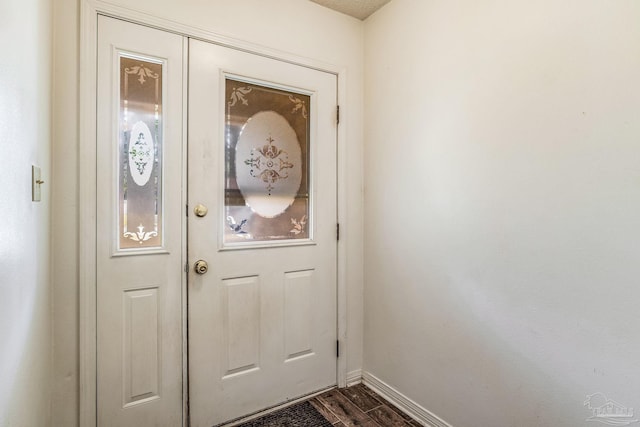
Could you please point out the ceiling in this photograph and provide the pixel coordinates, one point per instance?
(360, 9)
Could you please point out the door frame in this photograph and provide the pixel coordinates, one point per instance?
(89, 11)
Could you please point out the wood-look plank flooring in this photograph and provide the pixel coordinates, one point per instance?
(358, 405)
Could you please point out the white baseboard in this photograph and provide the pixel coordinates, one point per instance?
(408, 406)
(354, 377)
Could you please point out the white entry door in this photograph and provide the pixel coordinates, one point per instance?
(140, 217)
(261, 232)
(261, 212)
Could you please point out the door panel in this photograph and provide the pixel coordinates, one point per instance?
(139, 226)
(262, 160)
(141, 376)
(298, 314)
(241, 324)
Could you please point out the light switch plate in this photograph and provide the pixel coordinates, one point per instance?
(36, 182)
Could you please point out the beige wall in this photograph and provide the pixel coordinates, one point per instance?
(502, 207)
(25, 87)
(292, 26)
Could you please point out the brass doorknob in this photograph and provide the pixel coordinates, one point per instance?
(200, 210)
(201, 266)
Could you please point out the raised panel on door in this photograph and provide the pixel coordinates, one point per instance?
(298, 314)
(139, 226)
(262, 161)
(241, 325)
(141, 345)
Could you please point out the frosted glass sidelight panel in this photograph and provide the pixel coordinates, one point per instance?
(267, 135)
(140, 154)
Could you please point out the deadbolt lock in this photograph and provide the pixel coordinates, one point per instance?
(201, 266)
(200, 210)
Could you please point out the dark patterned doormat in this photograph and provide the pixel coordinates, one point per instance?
(301, 414)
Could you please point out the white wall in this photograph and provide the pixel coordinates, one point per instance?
(502, 207)
(25, 84)
(293, 26)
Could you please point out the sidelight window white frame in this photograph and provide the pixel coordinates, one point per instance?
(90, 10)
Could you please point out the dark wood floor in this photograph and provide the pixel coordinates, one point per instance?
(358, 405)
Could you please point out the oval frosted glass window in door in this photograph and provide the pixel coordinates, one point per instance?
(267, 155)
(268, 164)
(141, 153)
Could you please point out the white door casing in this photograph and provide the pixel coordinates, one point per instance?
(139, 274)
(262, 320)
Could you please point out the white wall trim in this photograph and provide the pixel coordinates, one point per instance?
(344, 238)
(143, 18)
(87, 216)
(407, 405)
(89, 11)
(354, 377)
(185, 307)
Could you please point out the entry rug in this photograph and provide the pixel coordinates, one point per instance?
(301, 414)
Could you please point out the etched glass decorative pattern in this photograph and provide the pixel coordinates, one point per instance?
(266, 164)
(140, 154)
